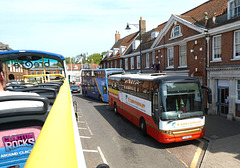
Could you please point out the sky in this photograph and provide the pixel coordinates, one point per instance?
(73, 27)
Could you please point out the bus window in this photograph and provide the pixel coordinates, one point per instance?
(92, 73)
(179, 100)
(155, 107)
(102, 74)
(104, 89)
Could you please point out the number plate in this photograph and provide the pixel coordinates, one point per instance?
(187, 137)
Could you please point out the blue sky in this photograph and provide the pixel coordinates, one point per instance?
(72, 27)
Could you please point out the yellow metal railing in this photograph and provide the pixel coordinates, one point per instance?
(43, 77)
(55, 146)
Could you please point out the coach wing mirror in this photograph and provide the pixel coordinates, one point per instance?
(209, 94)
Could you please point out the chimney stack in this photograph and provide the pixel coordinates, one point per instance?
(117, 36)
(142, 23)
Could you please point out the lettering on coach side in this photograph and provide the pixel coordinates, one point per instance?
(20, 140)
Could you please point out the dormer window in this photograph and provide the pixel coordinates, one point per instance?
(154, 35)
(135, 44)
(115, 51)
(233, 8)
(176, 32)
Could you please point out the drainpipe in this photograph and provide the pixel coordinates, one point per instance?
(208, 48)
(207, 64)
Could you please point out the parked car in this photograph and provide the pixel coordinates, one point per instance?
(74, 88)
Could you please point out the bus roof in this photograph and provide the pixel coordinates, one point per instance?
(16, 54)
(153, 77)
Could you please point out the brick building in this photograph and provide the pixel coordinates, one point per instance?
(203, 42)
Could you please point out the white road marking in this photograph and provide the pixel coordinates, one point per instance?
(94, 151)
(86, 137)
(89, 128)
(82, 128)
(102, 156)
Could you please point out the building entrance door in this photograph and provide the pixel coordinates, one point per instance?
(223, 100)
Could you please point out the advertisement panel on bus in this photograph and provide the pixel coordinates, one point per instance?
(16, 145)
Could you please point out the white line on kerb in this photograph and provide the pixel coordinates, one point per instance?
(102, 156)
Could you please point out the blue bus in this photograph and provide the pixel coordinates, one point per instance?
(94, 82)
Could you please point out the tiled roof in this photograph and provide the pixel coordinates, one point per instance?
(74, 67)
(126, 41)
(160, 27)
(4, 46)
(187, 18)
(212, 6)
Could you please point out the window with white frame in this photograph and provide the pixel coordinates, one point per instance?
(138, 62)
(237, 44)
(104, 66)
(217, 48)
(238, 90)
(183, 55)
(233, 8)
(153, 57)
(111, 64)
(126, 63)
(176, 32)
(108, 65)
(115, 63)
(147, 60)
(170, 56)
(132, 62)
(120, 64)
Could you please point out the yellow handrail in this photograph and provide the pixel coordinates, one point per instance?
(55, 146)
(41, 75)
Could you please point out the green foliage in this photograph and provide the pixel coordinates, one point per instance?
(95, 57)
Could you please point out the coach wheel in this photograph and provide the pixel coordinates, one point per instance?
(86, 93)
(143, 127)
(115, 108)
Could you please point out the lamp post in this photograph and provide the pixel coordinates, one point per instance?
(140, 36)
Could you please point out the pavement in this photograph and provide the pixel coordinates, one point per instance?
(224, 143)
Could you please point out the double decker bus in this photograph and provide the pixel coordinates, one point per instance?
(37, 129)
(94, 82)
(168, 108)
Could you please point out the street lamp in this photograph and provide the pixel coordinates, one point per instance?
(140, 36)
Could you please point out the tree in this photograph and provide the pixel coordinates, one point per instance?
(70, 60)
(95, 57)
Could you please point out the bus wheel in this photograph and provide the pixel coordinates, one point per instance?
(143, 127)
(100, 97)
(115, 108)
(85, 93)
